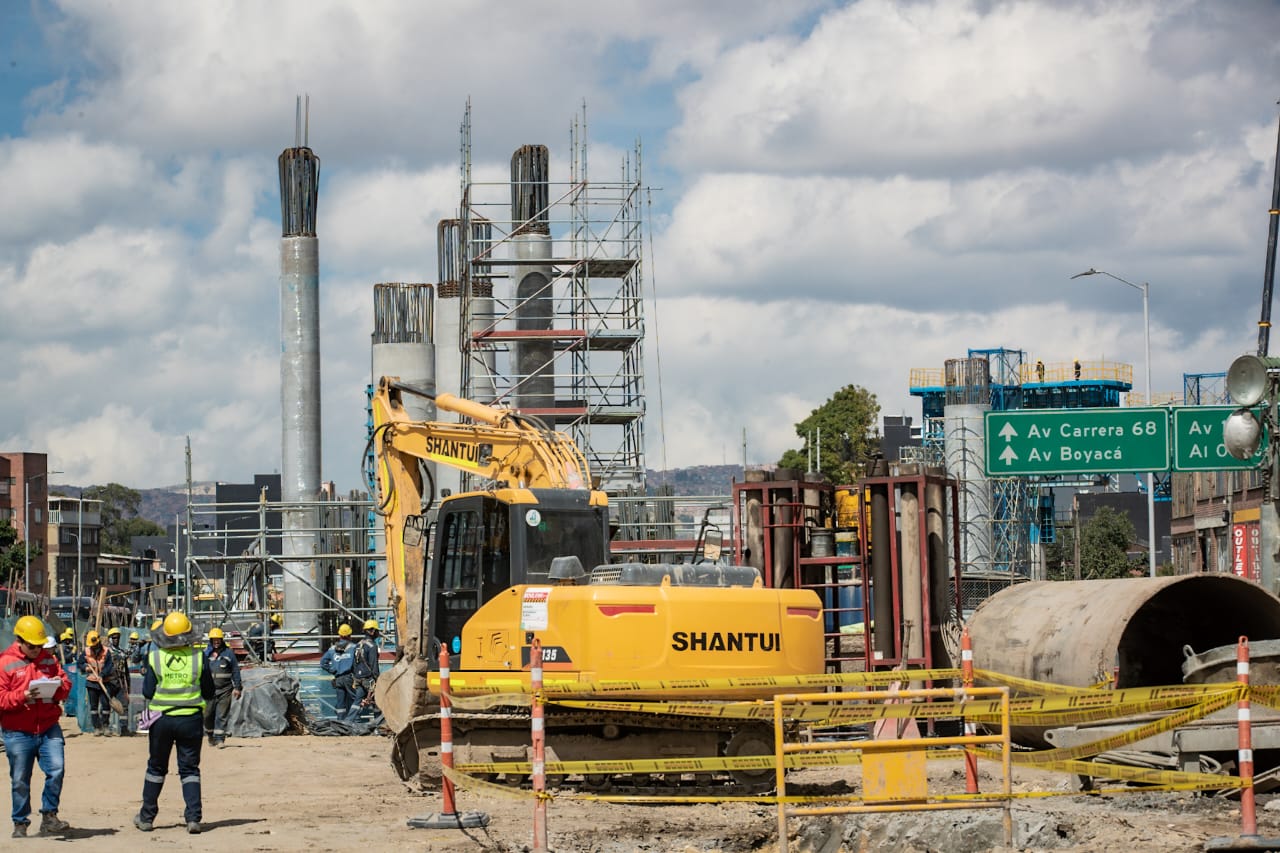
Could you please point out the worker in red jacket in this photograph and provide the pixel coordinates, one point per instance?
(32, 684)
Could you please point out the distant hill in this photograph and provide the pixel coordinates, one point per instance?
(709, 480)
(158, 505)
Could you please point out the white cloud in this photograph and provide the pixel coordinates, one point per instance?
(952, 87)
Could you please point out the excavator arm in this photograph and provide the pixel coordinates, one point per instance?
(502, 447)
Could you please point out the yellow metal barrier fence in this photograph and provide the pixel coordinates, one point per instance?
(898, 748)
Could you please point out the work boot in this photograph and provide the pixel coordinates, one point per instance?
(20, 830)
(49, 822)
(144, 825)
(193, 827)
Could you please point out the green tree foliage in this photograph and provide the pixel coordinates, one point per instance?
(120, 521)
(1104, 543)
(13, 555)
(848, 426)
(1060, 555)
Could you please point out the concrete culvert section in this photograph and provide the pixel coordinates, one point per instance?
(1076, 632)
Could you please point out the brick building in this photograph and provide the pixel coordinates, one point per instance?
(24, 495)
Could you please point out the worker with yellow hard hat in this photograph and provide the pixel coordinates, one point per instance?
(222, 663)
(99, 671)
(32, 683)
(178, 686)
(67, 649)
(259, 638)
(118, 684)
(129, 650)
(337, 661)
(146, 647)
(364, 670)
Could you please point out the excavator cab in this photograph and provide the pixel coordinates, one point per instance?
(487, 542)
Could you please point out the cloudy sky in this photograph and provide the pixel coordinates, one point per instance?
(843, 191)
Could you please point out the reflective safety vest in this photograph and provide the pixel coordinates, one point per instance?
(177, 681)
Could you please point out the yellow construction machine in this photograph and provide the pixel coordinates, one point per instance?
(525, 556)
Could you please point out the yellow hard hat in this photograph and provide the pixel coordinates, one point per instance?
(155, 625)
(92, 638)
(216, 634)
(133, 635)
(277, 619)
(114, 632)
(344, 630)
(32, 630)
(176, 623)
(176, 633)
(68, 634)
(371, 624)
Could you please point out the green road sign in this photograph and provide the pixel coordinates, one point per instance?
(1077, 441)
(1197, 440)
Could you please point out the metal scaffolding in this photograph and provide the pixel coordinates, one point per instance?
(592, 343)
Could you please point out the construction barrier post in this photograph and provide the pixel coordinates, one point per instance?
(966, 673)
(539, 749)
(1248, 839)
(1248, 815)
(449, 817)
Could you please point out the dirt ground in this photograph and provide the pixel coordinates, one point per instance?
(318, 793)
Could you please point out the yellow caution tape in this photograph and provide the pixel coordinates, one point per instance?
(1056, 710)
(1026, 685)
(1126, 738)
(496, 700)
(461, 684)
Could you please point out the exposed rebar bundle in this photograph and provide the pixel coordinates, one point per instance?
(402, 313)
(299, 180)
(530, 195)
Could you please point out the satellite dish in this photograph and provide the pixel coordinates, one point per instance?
(1241, 433)
(1247, 380)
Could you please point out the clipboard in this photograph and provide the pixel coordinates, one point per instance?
(46, 687)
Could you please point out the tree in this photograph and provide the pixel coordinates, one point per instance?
(12, 554)
(1059, 556)
(842, 433)
(1104, 546)
(120, 521)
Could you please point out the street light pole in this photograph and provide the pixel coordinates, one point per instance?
(1145, 287)
(26, 525)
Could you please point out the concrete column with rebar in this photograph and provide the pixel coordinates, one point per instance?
(299, 375)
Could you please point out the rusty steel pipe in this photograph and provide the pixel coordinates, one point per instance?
(1077, 632)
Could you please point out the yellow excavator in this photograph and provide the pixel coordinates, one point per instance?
(525, 556)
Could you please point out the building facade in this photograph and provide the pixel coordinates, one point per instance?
(1215, 522)
(24, 493)
(74, 534)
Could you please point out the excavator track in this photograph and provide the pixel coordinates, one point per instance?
(500, 735)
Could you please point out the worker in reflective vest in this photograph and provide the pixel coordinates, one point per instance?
(177, 685)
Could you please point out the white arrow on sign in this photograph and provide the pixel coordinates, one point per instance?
(1008, 456)
(1008, 433)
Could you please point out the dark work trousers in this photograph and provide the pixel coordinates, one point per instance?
(186, 732)
(99, 706)
(216, 714)
(344, 688)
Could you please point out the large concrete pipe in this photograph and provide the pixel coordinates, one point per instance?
(1075, 632)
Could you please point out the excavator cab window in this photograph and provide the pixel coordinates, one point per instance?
(460, 543)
